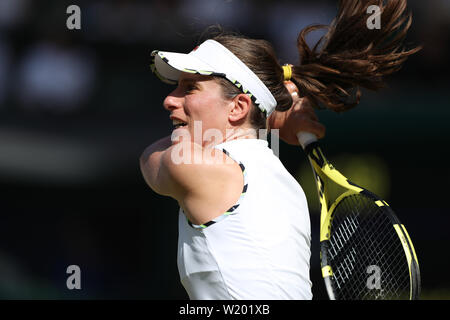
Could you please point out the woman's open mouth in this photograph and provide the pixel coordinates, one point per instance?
(178, 123)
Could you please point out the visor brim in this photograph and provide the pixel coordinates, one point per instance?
(169, 66)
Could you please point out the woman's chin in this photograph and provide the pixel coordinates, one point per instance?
(180, 134)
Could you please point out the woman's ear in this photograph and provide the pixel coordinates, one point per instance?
(240, 107)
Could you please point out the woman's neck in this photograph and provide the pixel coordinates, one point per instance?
(233, 134)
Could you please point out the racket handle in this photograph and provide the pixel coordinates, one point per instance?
(306, 138)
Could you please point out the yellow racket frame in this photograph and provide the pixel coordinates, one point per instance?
(323, 169)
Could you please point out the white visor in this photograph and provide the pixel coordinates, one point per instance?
(213, 59)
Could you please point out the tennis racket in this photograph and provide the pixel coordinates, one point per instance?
(365, 251)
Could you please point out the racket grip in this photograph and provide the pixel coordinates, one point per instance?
(306, 138)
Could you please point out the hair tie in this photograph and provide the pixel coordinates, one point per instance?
(287, 70)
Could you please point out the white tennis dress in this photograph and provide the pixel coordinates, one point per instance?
(260, 248)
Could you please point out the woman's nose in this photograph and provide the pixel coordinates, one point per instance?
(172, 102)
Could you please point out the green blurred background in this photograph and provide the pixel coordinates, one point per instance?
(77, 108)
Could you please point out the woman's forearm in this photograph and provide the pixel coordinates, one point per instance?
(158, 146)
(150, 161)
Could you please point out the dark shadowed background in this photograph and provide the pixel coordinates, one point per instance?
(77, 108)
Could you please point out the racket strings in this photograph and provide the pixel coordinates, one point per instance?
(365, 253)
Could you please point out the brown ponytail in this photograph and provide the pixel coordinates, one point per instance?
(351, 56)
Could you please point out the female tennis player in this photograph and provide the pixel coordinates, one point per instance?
(244, 228)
